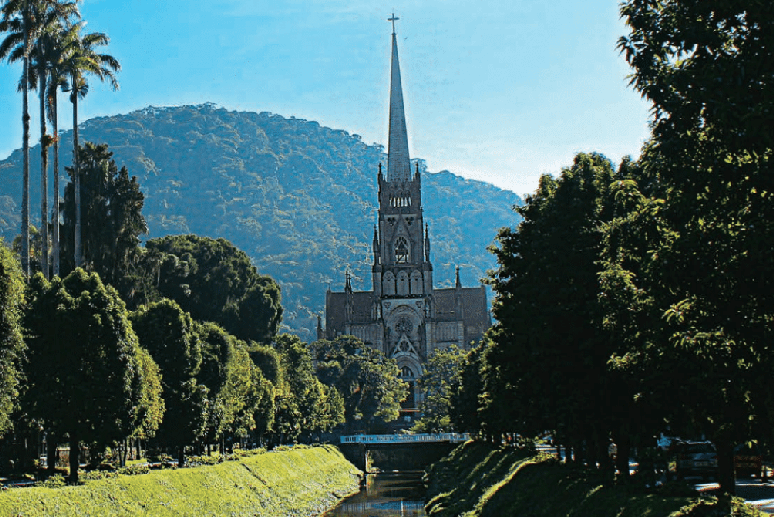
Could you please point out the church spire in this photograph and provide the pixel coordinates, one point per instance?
(398, 163)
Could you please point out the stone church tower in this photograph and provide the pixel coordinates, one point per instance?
(403, 315)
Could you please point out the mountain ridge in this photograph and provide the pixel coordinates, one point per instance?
(299, 198)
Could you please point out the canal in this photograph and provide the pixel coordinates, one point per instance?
(387, 494)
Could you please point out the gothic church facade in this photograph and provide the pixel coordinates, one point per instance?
(403, 315)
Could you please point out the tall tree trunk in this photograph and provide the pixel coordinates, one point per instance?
(51, 455)
(726, 476)
(623, 450)
(25, 244)
(44, 144)
(55, 236)
(75, 459)
(77, 179)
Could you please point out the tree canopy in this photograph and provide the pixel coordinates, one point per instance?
(213, 281)
(11, 342)
(169, 334)
(111, 216)
(368, 381)
(87, 378)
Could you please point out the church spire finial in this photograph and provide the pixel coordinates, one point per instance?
(393, 19)
(398, 162)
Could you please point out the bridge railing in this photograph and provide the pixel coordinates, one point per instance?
(406, 438)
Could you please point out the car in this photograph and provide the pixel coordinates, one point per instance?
(696, 459)
(747, 461)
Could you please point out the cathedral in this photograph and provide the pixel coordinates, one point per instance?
(403, 315)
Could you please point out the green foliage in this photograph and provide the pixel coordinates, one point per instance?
(369, 382)
(238, 393)
(547, 366)
(684, 268)
(213, 281)
(11, 342)
(111, 216)
(298, 198)
(170, 337)
(465, 402)
(84, 362)
(441, 379)
(304, 404)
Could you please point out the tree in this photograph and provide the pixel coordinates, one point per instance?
(11, 342)
(236, 387)
(27, 23)
(112, 220)
(169, 334)
(268, 362)
(82, 59)
(465, 401)
(304, 404)
(440, 380)
(60, 46)
(49, 16)
(547, 366)
(368, 381)
(214, 281)
(85, 373)
(16, 46)
(707, 68)
(441, 376)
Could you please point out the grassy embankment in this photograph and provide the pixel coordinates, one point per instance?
(300, 481)
(477, 480)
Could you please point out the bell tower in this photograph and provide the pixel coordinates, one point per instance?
(401, 266)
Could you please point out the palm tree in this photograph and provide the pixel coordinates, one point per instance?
(50, 15)
(16, 22)
(83, 59)
(28, 22)
(57, 79)
(54, 46)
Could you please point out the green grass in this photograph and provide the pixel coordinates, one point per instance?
(300, 481)
(478, 480)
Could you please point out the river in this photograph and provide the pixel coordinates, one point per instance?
(396, 494)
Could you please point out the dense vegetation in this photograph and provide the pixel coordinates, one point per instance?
(299, 198)
(479, 480)
(636, 301)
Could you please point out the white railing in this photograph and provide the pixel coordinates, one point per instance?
(406, 438)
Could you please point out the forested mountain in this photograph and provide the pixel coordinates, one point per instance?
(299, 198)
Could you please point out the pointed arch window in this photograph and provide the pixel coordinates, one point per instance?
(389, 283)
(403, 283)
(401, 251)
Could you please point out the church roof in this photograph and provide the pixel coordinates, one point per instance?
(398, 162)
(474, 305)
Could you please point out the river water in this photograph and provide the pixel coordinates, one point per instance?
(396, 494)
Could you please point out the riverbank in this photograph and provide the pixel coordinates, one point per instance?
(301, 481)
(478, 480)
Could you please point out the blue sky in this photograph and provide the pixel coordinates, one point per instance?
(496, 90)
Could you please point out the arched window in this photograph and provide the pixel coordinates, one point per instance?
(401, 251)
(416, 282)
(388, 285)
(406, 373)
(403, 283)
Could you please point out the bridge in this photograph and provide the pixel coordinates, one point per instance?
(371, 452)
(406, 438)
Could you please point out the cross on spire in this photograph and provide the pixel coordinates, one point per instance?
(393, 19)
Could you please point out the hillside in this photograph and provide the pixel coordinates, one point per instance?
(299, 198)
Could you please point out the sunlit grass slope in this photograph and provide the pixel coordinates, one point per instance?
(298, 482)
(478, 480)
